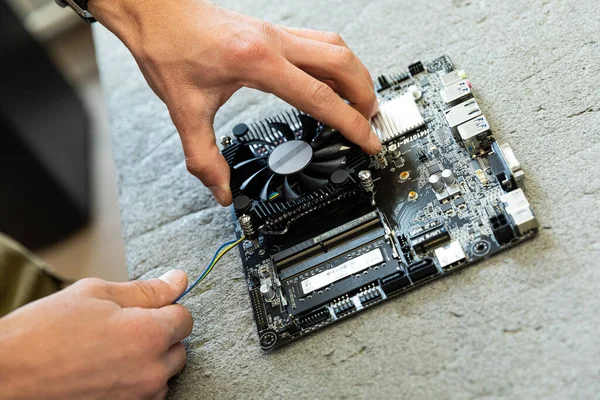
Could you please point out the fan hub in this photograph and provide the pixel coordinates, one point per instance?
(290, 157)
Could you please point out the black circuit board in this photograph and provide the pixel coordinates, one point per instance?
(400, 236)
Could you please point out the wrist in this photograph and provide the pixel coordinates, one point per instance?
(116, 16)
(133, 20)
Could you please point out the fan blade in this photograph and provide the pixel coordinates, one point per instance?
(309, 127)
(327, 167)
(327, 135)
(258, 141)
(264, 193)
(335, 150)
(310, 183)
(288, 192)
(250, 161)
(248, 181)
(284, 129)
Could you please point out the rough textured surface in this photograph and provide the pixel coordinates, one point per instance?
(521, 325)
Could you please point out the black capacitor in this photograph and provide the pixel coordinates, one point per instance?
(340, 177)
(242, 204)
(240, 130)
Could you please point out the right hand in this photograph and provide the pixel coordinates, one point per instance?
(195, 55)
(96, 340)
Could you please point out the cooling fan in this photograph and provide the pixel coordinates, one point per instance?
(294, 164)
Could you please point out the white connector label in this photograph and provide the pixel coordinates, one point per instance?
(343, 270)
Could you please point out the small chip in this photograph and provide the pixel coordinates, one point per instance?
(446, 207)
(482, 177)
(459, 202)
(450, 254)
(424, 82)
(434, 169)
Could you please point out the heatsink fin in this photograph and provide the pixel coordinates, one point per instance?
(397, 117)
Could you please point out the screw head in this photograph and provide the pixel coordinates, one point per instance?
(364, 175)
(225, 140)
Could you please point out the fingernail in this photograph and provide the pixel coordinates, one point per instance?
(376, 109)
(375, 142)
(221, 194)
(172, 277)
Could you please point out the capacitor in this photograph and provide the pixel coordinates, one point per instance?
(267, 291)
(448, 177)
(436, 183)
(416, 93)
(394, 151)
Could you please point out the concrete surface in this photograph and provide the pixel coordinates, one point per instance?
(521, 325)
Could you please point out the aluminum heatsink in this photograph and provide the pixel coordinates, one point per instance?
(397, 117)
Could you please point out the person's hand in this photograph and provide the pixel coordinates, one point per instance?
(96, 340)
(195, 55)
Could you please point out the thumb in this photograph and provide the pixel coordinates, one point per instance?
(152, 293)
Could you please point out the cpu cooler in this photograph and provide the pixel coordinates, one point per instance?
(290, 157)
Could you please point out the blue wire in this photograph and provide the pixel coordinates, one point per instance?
(191, 287)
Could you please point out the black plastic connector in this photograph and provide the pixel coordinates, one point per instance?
(395, 282)
(416, 68)
(503, 231)
(422, 269)
(319, 315)
(501, 169)
(383, 83)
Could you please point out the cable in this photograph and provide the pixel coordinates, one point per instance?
(221, 251)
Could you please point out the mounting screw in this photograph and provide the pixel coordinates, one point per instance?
(366, 180)
(225, 140)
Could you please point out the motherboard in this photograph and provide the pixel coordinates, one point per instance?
(330, 231)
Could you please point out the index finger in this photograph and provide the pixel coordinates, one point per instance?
(325, 37)
(316, 98)
(337, 63)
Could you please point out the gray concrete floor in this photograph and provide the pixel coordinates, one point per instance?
(98, 249)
